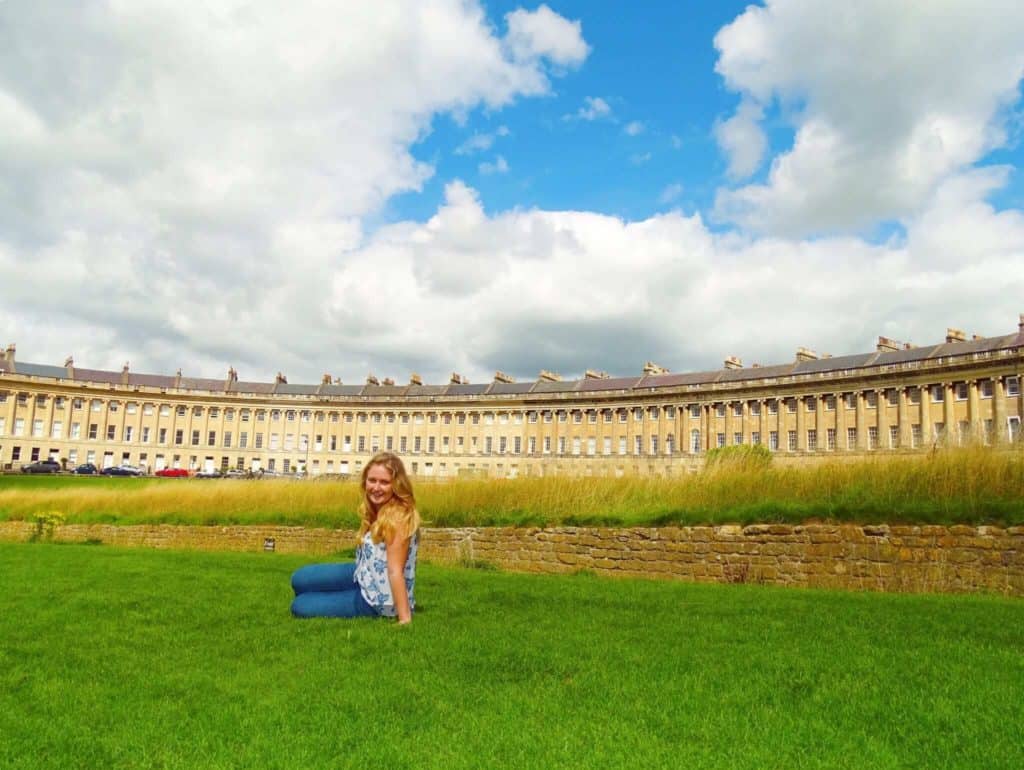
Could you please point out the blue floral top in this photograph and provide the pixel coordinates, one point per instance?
(372, 574)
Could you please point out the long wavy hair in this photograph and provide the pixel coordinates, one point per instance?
(397, 515)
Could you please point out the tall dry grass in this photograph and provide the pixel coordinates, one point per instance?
(972, 485)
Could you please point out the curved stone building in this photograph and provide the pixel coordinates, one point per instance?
(897, 398)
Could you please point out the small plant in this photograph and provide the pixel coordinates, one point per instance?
(46, 523)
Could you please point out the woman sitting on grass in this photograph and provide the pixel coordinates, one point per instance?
(381, 580)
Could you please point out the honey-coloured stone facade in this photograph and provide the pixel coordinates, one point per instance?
(898, 398)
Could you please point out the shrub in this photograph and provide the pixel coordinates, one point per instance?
(746, 455)
(46, 523)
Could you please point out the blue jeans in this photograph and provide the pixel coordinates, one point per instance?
(328, 591)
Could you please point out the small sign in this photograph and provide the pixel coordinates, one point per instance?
(268, 544)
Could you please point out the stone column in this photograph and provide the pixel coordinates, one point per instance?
(903, 417)
(728, 423)
(882, 410)
(801, 424)
(999, 409)
(745, 421)
(9, 412)
(762, 420)
(30, 419)
(840, 421)
(949, 413)
(926, 416)
(819, 422)
(862, 422)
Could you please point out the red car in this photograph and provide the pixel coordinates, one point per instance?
(173, 473)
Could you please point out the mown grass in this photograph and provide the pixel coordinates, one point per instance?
(972, 485)
(128, 658)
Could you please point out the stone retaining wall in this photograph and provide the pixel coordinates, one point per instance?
(880, 558)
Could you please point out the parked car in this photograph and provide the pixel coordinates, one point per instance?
(234, 473)
(86, 469)
(210, 474)
(122, 470)
(42, 466)
(173, 473)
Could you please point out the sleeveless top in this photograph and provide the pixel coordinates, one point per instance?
(372, 574)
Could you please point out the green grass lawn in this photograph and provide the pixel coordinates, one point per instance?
(137, 658)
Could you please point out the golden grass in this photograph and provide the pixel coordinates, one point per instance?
(972, 485)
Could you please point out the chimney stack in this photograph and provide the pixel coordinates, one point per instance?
(387, 381)
(652, 368)
(887, 345)
(371, 379)
(281, 379)
(415, 379)
(1020, 323)
(805, 354)
(326, 379)
(502, 377)
(9, 355)
(733, 362)
(69, 364)
(955, 335)
(457, 379)
(547, 376)
(592, 374)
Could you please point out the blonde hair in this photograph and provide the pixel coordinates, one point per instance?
(399, 514)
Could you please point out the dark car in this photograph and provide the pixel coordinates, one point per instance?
(121, 470)
(42, 466)
(87, 469)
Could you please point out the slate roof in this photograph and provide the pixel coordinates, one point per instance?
(586, 385)
(509, 388)
(44, 370)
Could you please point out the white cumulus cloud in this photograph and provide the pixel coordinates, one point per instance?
(544, 33)
(594, 107)
(204, 170)
(498, 166)
(887, 101)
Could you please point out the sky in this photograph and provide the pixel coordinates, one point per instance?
(438, 186)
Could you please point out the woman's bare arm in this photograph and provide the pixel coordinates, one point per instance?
(398, 552)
